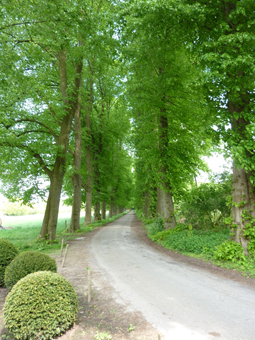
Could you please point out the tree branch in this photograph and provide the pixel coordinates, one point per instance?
(21, 23)
(33, 153)
(39, 123)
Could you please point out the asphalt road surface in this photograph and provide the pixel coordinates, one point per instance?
(181, 301)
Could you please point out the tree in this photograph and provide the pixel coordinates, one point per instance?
(43, 59)
(170, 115)
(223, 42)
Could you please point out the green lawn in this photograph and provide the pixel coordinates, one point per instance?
(25, 231)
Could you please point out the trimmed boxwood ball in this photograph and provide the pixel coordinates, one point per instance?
(27, 263)
(7, 253)
(42, 305)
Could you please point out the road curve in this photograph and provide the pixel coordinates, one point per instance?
(181, 301)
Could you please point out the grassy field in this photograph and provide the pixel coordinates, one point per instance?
(23, 231)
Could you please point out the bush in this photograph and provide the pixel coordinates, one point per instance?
(7, 253)
(156, 227)
(27, 263)
(205, 206)
(195, 242)
(42, 305)
(229, 251)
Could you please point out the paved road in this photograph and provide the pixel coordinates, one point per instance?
(181, 301)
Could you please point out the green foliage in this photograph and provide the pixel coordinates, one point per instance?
(102, 336)
(161, 235)
(229, 251)
(156, 227)
(27, 263)
(186, 240)
(17, 209)
(206, 205)
(163, 91)
(195, 242)
(212, 245)
(8, 251)
(131, 328)
(42, 305)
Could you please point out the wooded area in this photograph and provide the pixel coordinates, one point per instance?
(114, 103)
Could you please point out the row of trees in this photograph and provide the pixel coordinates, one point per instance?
(76, 76)
(194, 76)
(62, 118)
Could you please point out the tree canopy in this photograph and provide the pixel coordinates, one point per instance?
(115, 103)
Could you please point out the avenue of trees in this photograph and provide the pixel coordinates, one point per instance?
(114, 103)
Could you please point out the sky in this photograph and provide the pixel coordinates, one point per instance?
(216, 164)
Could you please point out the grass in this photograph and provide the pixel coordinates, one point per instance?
(27, 228)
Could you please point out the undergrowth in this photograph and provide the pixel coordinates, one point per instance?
(210, 245)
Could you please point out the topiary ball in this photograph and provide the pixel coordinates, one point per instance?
(42, 305)
(27, 263)
(7, 253)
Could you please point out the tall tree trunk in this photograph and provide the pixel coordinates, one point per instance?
(50, 220)
(159, 202)
(89, 186)
(49, 225)
(243, 202)
(103, 210)
(111, 209)
(97, 215)
(89, 182)
(239, 105)
(168, 209)
(76, 178)
(243, 211)
(167, 204)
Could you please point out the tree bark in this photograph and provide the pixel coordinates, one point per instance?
(168, 209)
(89, 182)
(76, 178)
(243, 210)
(111, 209)
(159, 205)
(49, 226)
(89, 186)
(239, 108)
(103, 210)
(166, 198)
(97, 215)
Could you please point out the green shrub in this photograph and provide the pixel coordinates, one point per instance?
(156, 227)
(42, 305)
(195, 242)
(27, 263)
(7, 253)
(162, 235)
(229, 251)
(205, 206)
